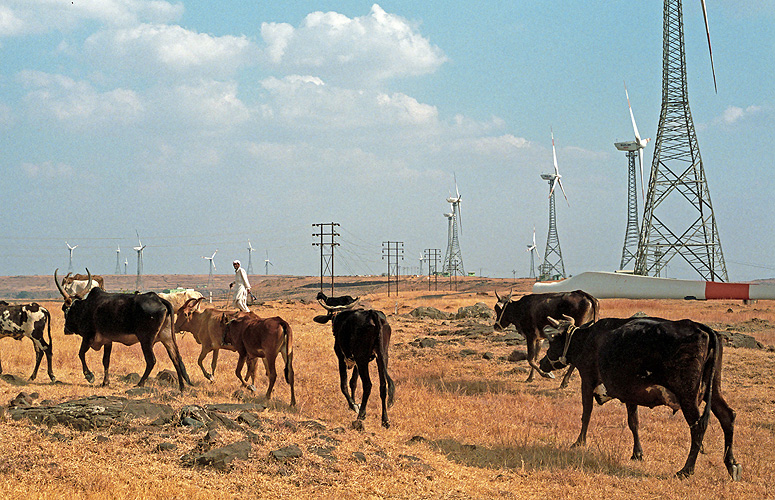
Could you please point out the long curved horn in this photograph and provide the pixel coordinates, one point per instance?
(498, 296)
(337, 308)
(65, 295)
(553, 321)
(86, 290)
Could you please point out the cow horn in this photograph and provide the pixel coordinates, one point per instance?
(338, 308)
(86, 290)
(568, 318)
(553, 321)
(498, 296)
(65, 295)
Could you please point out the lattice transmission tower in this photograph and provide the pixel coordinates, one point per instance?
(678, 217)
(631, 234)
(553, 266)
(453, 258)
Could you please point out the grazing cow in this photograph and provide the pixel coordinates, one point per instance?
(529, 313)
(102, 318)
(361, 335)
(208, 326)
(28, 320)
(254, 337)
(77, 283)
(647, 362)
(177, 299)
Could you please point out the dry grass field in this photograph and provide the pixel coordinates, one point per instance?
(464, 424)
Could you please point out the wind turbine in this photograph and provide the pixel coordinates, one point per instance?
(533, 252)
(70, 266)
(631, 149)
(250, 258)
(267, 263)
(126, 264)
(118, 260)
(453, 260)
(553, 266)
(139, 249)
(212, 266)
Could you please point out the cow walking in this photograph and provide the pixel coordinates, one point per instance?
(529, 313)
(28, 320)
(102, 318)
(361, 335)
(647, 362)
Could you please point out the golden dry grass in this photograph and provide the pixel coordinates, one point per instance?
(484, 432)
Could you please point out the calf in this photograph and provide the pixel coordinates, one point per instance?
(28, 320)
(361, 335)
(647, 362)
(254, 337)
(529, 313)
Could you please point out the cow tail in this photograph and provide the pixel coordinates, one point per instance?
(709, 373)
(48, 322)
(288, 354)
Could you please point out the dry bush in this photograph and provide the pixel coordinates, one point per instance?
(462, 426)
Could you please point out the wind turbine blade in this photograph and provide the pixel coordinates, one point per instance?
(457, 193)
(554, 156)
(563, 191)
(554, 184)
(710, 50)
(632, 116)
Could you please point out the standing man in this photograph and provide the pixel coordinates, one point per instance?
(243, 287)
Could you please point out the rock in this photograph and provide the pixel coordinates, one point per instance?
(141, 391)
(286, 453)
(359, 457)
(429, 312)
(250, 419)
(220, 458)
(322, 451)
(165, 446)
(479, 310)
(22, 400)
(467, 352)
(488, 355)
(131, 378)
(425, 342)
(167, 377)
(740, 340)
(517, 355)
(12, 379)
(191, 422)
(357, 425)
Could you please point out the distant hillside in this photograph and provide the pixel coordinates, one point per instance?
(271, 287)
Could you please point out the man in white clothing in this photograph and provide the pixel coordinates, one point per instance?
(243, 287)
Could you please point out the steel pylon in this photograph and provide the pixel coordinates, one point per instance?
(631, 234)
(678, 217)
(453, 258)
(553, 266)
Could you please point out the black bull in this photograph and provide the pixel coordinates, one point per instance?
(648, 362)
(102, 318)
(529, 316)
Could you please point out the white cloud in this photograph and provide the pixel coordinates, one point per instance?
(368, 49)
(47, 170)
(19, 17)
(734, 114)
(153, 48)
(78, 102)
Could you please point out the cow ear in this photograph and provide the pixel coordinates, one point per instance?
(322, 319)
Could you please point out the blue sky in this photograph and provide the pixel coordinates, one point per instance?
(202, 125)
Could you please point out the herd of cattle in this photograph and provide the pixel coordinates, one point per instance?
(639, 361)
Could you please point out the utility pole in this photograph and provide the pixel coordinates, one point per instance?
(432, 255)
(326, 242)
(394, 251)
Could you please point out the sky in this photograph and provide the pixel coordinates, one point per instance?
(200, 125)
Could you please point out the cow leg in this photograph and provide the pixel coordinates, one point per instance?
(383, 389)
(566, 378)
(38, 359)
(697, 428)
(200, 361)
(363, 369)
(238, 370)
(214, 362)
(533, 350)
(106, 364)
(726, 417)
(177, 362)
(343, 384)
(289, 376)
(632, 422)
(150, 362)
(353, 381)
(587, 400)
(271, 373)
(82, 355)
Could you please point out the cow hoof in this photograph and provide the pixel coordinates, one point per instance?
(89, 377)
(683, 473)
(252, 388)
(386, 424)
(736, 471)
(547, 374)
(357, 425)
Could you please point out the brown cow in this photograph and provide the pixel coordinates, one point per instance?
(254, 337)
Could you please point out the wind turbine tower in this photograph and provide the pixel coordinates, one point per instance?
(553, 266)
(139, 249)
(70, 249)
(531, 248)
(632, 149)
(678, 219)
(250, 258)
(212, 266)
(453, 259)
(118, 260)
(267, 263)
(126, 264)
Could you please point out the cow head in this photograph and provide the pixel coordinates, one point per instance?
(559, 335)
(186, 311)
(500, 309)
(72, 304)
(342, 305)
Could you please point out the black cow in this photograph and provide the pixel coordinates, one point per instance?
(102, 318)
(529, 313)
(361, 335)
(648, 362)
(28, 320)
